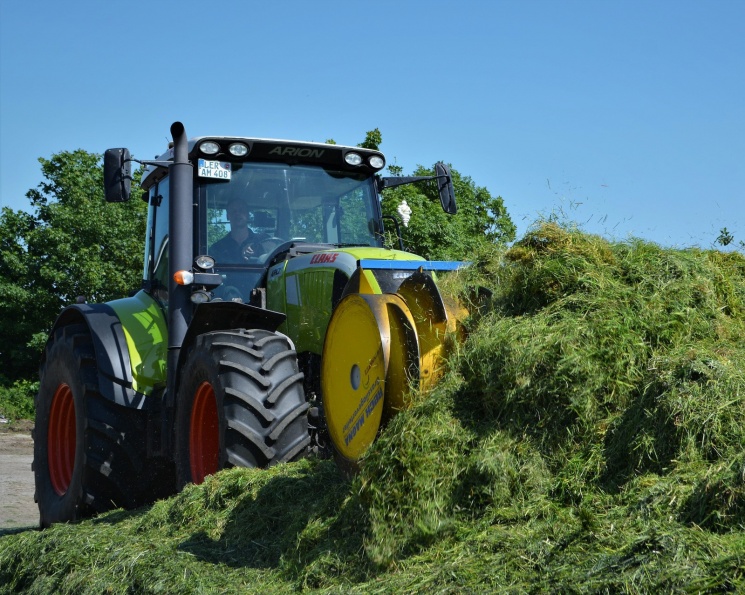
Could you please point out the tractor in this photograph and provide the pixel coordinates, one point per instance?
(272, 323)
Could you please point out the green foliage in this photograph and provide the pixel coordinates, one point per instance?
(481, 218)
(431, 233)
(373, 140)
(587, 437)
(74, 244)
(726, 238)
(17, 400)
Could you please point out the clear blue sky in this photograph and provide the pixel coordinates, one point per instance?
(626, 116)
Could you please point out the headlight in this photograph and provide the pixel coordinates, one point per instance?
(205, 262)
(200, 297)
(209, 147)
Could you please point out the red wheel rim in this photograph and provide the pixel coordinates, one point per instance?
(204, 434)
(61, 439)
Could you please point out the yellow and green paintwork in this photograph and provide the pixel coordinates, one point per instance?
(144, 325)
(303, 290)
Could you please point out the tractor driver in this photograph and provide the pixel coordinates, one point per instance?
(241, 243)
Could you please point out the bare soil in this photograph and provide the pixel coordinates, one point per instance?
(17, 506)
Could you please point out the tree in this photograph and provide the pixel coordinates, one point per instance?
(74, 244)
(431, 233)
(373, 139)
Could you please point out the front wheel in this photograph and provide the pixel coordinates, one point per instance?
(240, 404)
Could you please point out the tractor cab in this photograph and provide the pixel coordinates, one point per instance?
(269, 211)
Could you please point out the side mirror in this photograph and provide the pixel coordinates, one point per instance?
(117, 175)
(445, 188)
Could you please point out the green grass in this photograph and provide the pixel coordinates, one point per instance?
(587, 438)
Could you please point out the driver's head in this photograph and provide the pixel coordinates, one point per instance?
(237, 212)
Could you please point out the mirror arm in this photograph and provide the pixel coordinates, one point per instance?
(153, 163)
(444, 189)
(384, 183)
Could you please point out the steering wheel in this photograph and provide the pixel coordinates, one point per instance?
(271, 259)
(269, 244)
(255, 252)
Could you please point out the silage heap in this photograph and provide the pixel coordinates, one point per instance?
(588, 437)
(593, 433)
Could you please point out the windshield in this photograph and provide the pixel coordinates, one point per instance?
(265, 204)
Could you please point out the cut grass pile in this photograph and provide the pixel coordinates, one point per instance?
(588, 437)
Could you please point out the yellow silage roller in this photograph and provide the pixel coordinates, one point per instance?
(378, 348)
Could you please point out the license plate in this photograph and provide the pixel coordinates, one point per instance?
(214, 169)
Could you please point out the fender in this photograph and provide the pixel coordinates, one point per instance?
(112, 353)
(115, 381)
(223, 316)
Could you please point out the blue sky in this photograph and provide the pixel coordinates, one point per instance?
(627, 117)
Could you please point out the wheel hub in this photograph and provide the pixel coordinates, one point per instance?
(204, 434)
(61, 439)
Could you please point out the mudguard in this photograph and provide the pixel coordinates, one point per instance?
(112, 353)
(112, 350)
(223, 316)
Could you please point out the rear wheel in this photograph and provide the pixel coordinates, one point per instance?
(240, 404)
(89, 453)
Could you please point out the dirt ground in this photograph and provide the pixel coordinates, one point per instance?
(17, 506)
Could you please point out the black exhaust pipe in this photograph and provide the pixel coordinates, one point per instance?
(180, 257)
(180, 242)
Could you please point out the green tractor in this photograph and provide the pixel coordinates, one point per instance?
(271, 323)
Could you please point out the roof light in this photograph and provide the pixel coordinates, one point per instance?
(209, 147)
(353, 158)
(205, 262)
(376, 161)
(238, 149)
(183, 277)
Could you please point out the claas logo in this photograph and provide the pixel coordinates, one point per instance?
(324, 258)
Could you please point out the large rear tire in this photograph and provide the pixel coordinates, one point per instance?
(89, 453)
(240, 404)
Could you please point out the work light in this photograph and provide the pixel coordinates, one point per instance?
(209, 147)
(238, 149)
(353, 158)
(376, 162)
